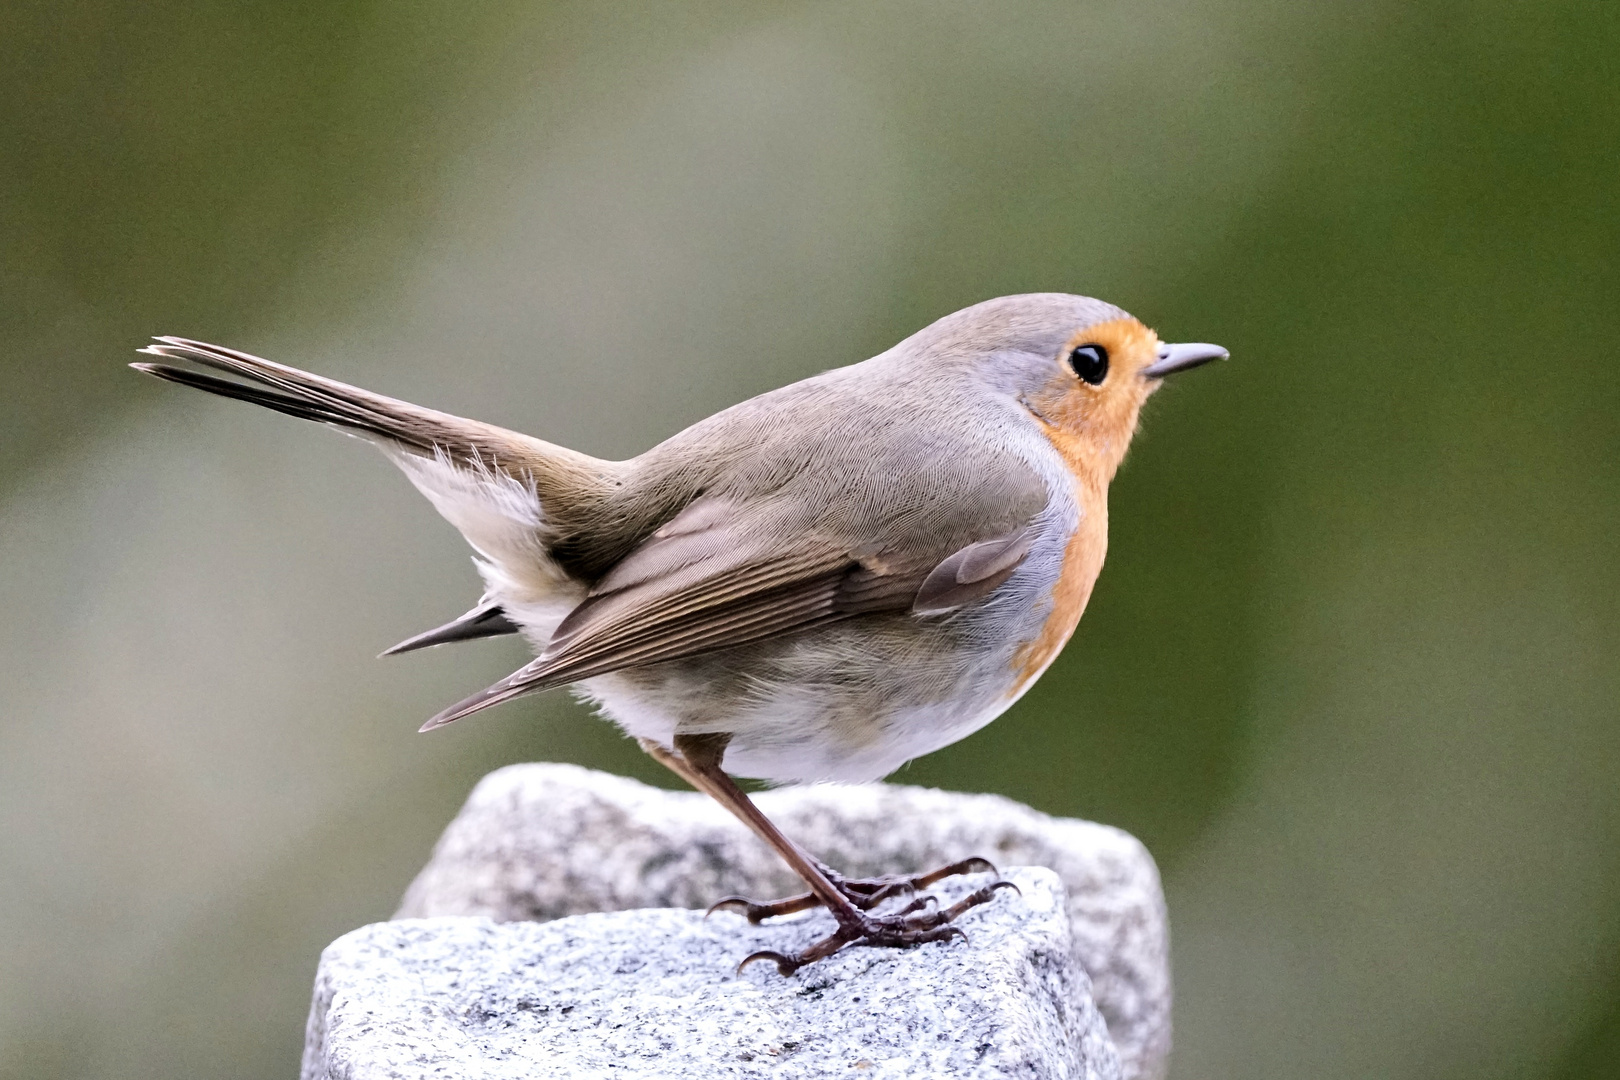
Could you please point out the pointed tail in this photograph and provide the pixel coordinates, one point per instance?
(311, 397)
(508, 494)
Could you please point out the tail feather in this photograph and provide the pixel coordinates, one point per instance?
(507, 493)
(270, 399)
(486, 619)
(312, 397)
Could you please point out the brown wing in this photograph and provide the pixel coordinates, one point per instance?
(712, 579)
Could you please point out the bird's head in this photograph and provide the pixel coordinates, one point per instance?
(1080, 367)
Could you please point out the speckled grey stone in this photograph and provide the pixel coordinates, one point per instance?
(652, 993)
(542, 841)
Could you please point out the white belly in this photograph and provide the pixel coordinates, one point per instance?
(851, 701)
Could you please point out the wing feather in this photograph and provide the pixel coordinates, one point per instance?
(724, 582)
(974, 571)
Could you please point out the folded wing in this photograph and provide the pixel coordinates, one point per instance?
(713, 578)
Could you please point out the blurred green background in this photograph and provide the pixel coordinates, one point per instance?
(1353, 670)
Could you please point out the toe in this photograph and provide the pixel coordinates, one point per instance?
(756, 912)
(786, 965)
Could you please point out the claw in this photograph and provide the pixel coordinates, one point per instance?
(928, 900)
(740, 904)
(917, 922)
(977, 897)
(756, 912)
(785, 965)
(886, 892)
(973, 865)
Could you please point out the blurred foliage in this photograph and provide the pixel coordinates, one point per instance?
(175, 163)
(1350, 671)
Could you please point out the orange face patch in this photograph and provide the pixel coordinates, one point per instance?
(1092, 425)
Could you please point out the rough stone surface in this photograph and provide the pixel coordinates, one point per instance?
(652, 993)
(543, 841)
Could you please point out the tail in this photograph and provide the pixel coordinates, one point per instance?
(509, 494)
(426, 432)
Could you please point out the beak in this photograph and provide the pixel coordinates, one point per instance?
(1174, 358)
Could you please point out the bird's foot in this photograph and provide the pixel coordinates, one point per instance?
(921, 920)
(918, 922)
(864, 893)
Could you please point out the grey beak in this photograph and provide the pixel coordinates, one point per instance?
(1174, 358)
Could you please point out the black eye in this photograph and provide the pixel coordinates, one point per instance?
(1090, 362)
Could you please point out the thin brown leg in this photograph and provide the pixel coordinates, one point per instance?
(703, 754)
(697, 758)
(756, 912)
(863, 893)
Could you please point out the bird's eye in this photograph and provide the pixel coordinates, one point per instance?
(1090, 362)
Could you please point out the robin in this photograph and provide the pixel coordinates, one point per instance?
(820, 583)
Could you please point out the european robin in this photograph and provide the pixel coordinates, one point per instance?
(820, 583)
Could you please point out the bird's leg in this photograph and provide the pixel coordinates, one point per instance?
(696, 758)
(864, 893)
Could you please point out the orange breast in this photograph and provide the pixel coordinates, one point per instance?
(1082, 562)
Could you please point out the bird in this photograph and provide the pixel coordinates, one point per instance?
(820, 583)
